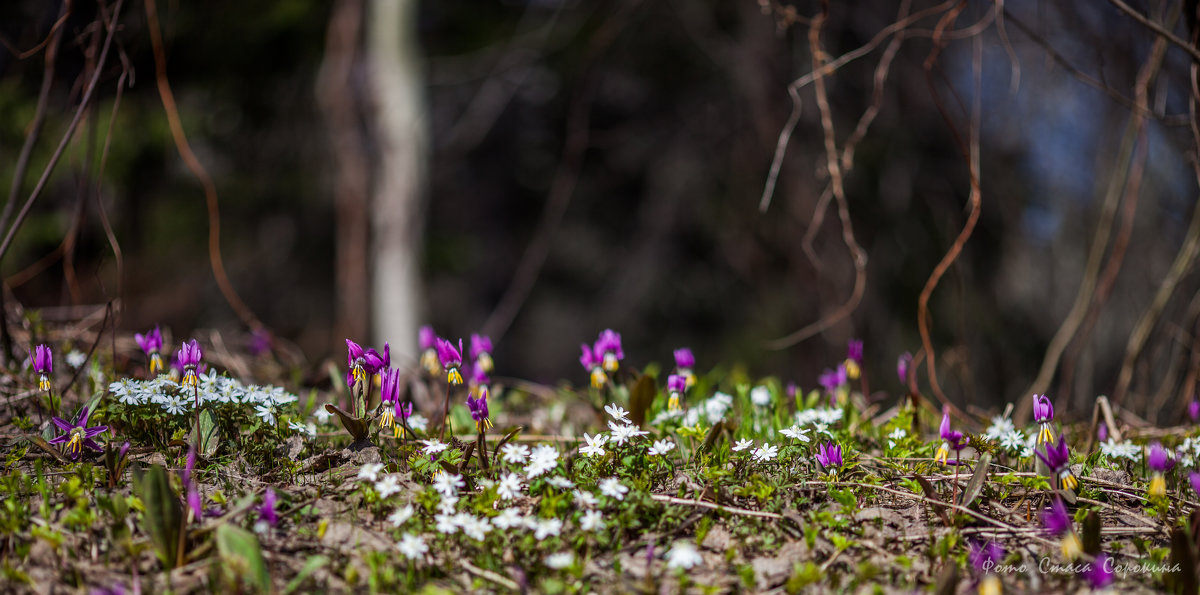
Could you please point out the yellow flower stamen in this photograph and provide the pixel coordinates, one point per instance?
(1045, 435)
(598, 378)
(673, 402)
(484, 425)
(75, 445)
(690, 378)
(1068, 480)
(156, 364)
(485, 362)
(1071, 546)
(388, 419)
(190, 380)
(453, 376)
(852, 369)
(1158, 486)
(429, 361)
(359, 374)
(991, 585)
(610, 362)
(44, 383)
(943, 453)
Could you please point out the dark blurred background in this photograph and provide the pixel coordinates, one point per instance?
(629, 143)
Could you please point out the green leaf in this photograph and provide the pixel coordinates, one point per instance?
(210, 433)
(356, 426)
(164, 514)
(242, 559)
(313, 564)
(641, 397)
(975, 486)
(1091, 533)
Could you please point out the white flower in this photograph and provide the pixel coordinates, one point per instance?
(412, 546)
(1014, 441)
(474, 527)
(514, 454)
(266, 413)
(561, 483)
(560, 560)
(370, 472)
(400, 515)
(585, 499)
(896, 435)
(543, 458)
(176, 405)
(660, 447)
(760, 396)
(683, 555)
(616, 412)
(1125, 450)
(796, 433)
(445, 524)
(716, 407)
(390, 484)
(622, 433)
(765, 452)
(742, 445)
(509, 518)
(824, 415)
(613, 488)
(447, 504)
(418, 422)
(323, 416)
(591, 521)
(433, 445)
(822, 428)
(76, 358)
(666, 415)
(543, 528)
(595, 444)
(509, 486)
(447, 484)
(1000, 426)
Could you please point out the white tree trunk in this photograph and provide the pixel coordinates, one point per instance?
(399, 117)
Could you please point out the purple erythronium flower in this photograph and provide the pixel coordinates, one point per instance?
(1057, 522)
(481, 351)
(829, 456)
(451, 360)
(1159, 461)
(593, 364)
(684, 362)
(389, 397)
(151, 344)
(1194, 411)
(187, 358)
(43, 364)
(1058, 459)
(676, 385)
(429, 354)
(1043, 413)
(260, 342)
(1100, 575)
(479, 410)
(78, 434)
(608, 350)
(1194, 478)
(479, 376)
(362, 364)
(266, 512)
(902, 364)
(1102, 432)
(951, 439)
(854, 358)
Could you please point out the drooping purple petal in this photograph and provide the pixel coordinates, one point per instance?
(480, 344)
(684, 360)
(676, 383)
(902, 364)
(94, 431)
(854, 351)
(1056, 520)
(426, 338)
(62, 424)
(448, 355)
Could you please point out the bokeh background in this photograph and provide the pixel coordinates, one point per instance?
(629, 142)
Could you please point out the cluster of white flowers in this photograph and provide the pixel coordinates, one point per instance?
(819, 416)
(542, 459)
(168, 395)
(1003, 433)
(760, 396)
(711, 411)
(1111, 449)
(765, 453)
(896, 435)
(1001, 426)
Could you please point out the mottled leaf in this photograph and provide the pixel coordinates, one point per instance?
(356, 426)
(210, 433)
(975, 486)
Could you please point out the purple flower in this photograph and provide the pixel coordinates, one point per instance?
(151, 344)
(1194, 411)
(451, 360)
(985, 557)
(1100, 575)
(389, 396)
(187, 358)
(608, 350)
(591, 362)
(479, 410)
(951, 439)
(854, 351)
(266, 512)
(1058, 459)
(481, 351)
(1194, 478)
(1158, 459)
(1102, 432)
(1043, 413)
(479, 376)
(43, 364)
(260, 342)
(362, 364)
(676, 385)
(1056, 520)
(791, 390)
(684, 360)
(829, 456)
(429, 354)
(78, 434)
(832, 380)
(902, 364)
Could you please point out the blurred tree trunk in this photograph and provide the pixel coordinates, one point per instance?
(399, 118)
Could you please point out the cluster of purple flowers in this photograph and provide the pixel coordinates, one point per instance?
(951, 440)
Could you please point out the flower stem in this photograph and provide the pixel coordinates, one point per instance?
(445, 412)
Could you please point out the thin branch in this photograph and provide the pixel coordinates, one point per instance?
(1157, 28)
